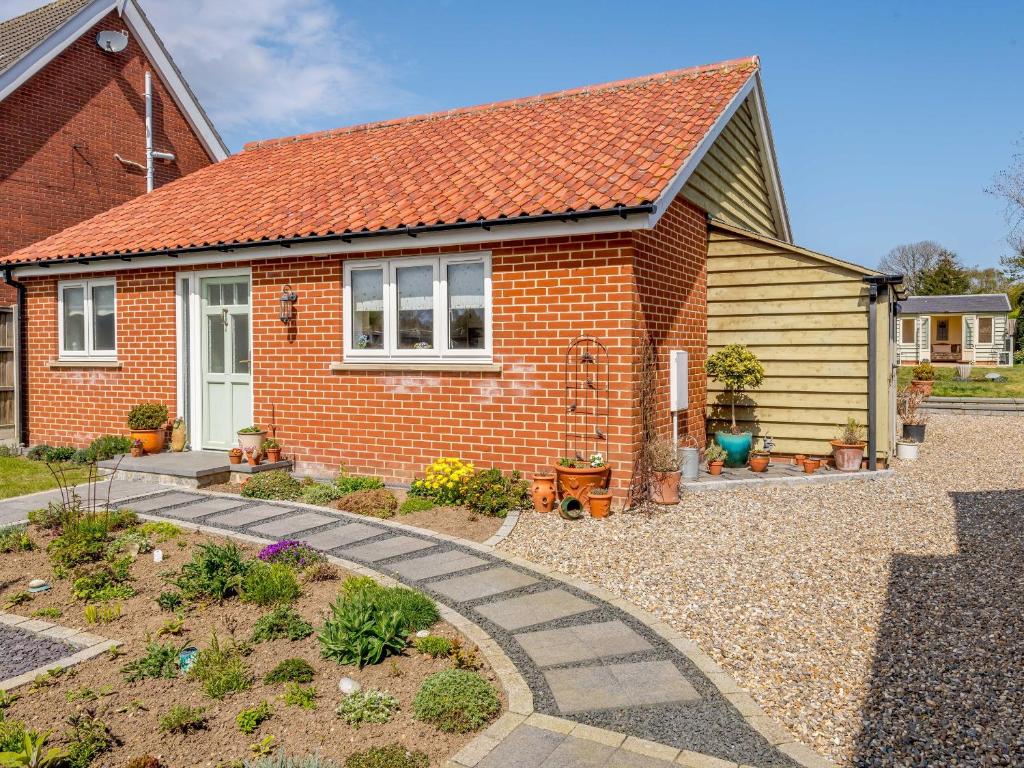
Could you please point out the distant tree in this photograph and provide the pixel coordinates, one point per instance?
(911, 260)
(988, 280)
(1009, 185)
(946, 278)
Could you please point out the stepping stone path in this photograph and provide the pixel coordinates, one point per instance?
(584, 659)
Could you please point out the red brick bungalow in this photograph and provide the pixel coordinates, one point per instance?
(441, 264)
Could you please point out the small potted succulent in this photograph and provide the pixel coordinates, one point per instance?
(147, 422)
(848, 447)
(600, 502)
(908, 408)
(715, 454)
(251, 437)
(576, 476)
(235, 456)
(907, 449)
(923, 378)
(665, 468)
(272, 448)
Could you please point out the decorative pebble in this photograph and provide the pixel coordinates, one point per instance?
(348, 686)
(423, 633)
(38, 585)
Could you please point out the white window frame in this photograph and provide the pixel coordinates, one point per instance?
(87, 287)
(440, 353)
(992, 330)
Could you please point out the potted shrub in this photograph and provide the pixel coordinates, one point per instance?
(714, 454)
(738, 369)
(665, 462)
(923, 378)
(848, 447)
(908, 408)
(575, 477)
(251, 437)
(542, 492)
(272, 448)
(600, 502)
(235, 456)
(907, 449)
(179, 435)
(147, 422)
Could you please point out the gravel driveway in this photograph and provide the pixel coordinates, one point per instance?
(881, 621)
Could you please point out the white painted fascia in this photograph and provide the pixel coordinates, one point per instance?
(602, 225)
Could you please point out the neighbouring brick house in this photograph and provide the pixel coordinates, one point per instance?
(440, 266)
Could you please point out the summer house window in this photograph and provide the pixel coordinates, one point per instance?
(418, 309)
(87, 319)
(984, 330)
(909, 330)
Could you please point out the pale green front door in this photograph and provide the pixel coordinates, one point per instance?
(226, 367)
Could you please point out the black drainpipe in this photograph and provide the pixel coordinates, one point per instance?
(21, 369)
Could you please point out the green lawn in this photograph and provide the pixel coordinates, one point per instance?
(19, 476)
(946, 384)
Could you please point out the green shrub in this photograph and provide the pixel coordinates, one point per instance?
(89, 738)
(49, 517)
(275, 484)
(148, 416)
(416, 609)
(434, 646)
(249, 720)
(221, 670)
(290, 671)
(390, 756)
(86, 542)
(346, 483)
(360, 632)
(214, 573)
(416, 504)
(280, 623)
(182, 719)
(296, 695)
(14, 538)
(104, 581)
(281, 760)
(170, 601)
(456, 701)
(50, 612)
(160, 661)
(320, 493)
(377, 502)
(370, 706)
(107, 447)
(491, 493)
(924, 372)
(131, 542)
(50, 453)
(160, 531)
(269, 584)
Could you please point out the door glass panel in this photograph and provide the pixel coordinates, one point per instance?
(103, 330)
(368, 309)
(466, 306)
(213, 294)
(215, 359)
(415, 307)
(240, 343)
(74, 319)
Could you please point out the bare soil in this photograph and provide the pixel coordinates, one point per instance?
(133, 709)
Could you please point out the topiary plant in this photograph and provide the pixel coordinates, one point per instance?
(456, 701)
(147, 416)
(738, 369)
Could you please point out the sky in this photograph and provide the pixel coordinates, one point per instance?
(890, 118)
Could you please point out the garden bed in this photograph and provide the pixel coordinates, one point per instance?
(136, 712)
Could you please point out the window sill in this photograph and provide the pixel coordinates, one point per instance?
(84, 363)
(397, 366)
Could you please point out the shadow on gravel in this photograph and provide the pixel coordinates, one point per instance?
(947, 684)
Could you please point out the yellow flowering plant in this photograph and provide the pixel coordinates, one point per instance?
(445, 481)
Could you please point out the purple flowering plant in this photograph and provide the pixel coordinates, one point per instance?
(292, 553)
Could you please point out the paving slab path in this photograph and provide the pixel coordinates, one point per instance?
(608, 687)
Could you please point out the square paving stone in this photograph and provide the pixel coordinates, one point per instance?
(343, 534)
(289, 525)
(578, 753)
(493, 581)
(242, 517)
(452, 561)
(208, 507)
(158, 503)
(381, 550)
(525, 747)
(623, 758)
(581, 643)
(614, 686)
(519, 612)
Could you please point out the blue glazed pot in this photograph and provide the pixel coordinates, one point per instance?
(737, 447)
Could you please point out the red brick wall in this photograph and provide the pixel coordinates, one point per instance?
(59, 133)
(545, 292)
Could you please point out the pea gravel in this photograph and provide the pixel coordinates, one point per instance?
(879, 621)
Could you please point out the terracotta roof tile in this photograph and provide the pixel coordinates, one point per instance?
(598, 147)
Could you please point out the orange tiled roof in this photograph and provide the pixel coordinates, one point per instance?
(599, 147)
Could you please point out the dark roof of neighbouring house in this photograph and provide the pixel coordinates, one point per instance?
(942, 305)
(594, 149)
(21, 34)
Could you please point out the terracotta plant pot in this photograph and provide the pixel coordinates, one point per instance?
(759, 462)
(577, 482)
(152, 439)
(798, 459)
(924, 386)
(847, 457)
(571, 508)
(253, 459)
(234, 458)
(542, 491)
(665, 487)
(715, 467)
(600, 505)
(137, 450)
(810, 466)
(252, 440)
(273, 455)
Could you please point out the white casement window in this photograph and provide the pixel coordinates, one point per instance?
(87, 319)
(908, 328)
(436, 308)
(984, 330)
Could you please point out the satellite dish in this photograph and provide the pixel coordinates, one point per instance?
(112, 41)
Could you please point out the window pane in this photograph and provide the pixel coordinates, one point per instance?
(368, 309)
(985, 330)
(242, 292)
(213, 294)
(240, 328)
(466, 306)
(215, 328)
(103, 320)
(908, 331)
(74, 319)
(415, 307)
(227, 293)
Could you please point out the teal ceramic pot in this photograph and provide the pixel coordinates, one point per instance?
(737, 447)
